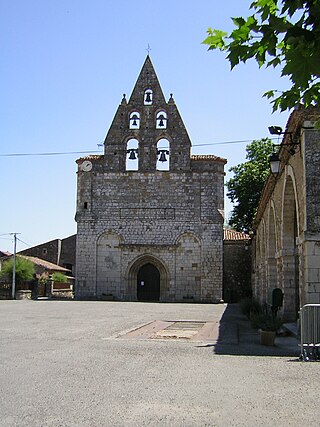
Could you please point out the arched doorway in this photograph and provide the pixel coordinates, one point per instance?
(148, 283)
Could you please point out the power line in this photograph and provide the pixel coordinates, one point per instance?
(62, 153)
(47, 154)
(27, 244)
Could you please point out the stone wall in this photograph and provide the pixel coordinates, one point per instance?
(128, 219)
(237, 259)
(127, 216)
(287, 226)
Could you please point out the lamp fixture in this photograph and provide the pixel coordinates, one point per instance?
(275, 163)
(275, 130)
(291, 146)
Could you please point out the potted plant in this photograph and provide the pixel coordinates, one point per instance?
(268, 325)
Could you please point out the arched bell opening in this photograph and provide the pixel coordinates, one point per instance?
(148, 96)
(134, 120)
(161, 120)
(163, 155)
(132, 162)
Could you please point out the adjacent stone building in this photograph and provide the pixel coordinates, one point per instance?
(58, 251)
(237, 265)
(287, 241)
(149, 215)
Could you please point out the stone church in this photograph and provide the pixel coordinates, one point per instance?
(149, 214)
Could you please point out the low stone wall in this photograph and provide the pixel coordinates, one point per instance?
(62, 294)
(23, 294)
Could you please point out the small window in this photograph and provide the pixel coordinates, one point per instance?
(148, 95)
(85, 205)
(161, 120)
(44, 251)
(132, 155)
(163, 155)
(134, 121)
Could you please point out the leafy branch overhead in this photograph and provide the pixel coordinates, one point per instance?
(283, 34)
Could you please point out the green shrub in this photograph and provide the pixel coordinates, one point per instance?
(250, 306)
(59, 277)
(265, 321)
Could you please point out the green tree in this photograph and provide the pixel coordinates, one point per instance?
(24, 270)
(245, 187)
(283, 34)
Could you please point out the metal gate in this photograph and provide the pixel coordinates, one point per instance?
(310, 332)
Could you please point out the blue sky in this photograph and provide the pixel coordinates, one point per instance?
(64, 67)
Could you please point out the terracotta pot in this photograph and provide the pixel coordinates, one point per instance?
(267, 337)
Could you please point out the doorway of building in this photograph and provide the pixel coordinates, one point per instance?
(148, 283)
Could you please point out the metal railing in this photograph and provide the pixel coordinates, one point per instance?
(310, 332)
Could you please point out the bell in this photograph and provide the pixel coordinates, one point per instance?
(148, 97)
(161, 122)
(134, 120)
(162, 157)
(132, 155)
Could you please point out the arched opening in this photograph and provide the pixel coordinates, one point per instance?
(133, 270)
(263, 262)
(134, 120)
(148, 283)
(148, 96)
(161, 120)
(290, 254)
(132, 162)
(272, 262)
(163, 155)
(108, 265)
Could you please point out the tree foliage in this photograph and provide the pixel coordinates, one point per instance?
(283, 34)
(245, 187)
(24, 270)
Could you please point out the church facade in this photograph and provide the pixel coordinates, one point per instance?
(149, 214)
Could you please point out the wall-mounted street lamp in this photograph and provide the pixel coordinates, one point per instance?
(274, 159)
(275, 163)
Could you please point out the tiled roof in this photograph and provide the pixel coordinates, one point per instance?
(45, 264)
(90, 157)
(208, 157)
(5, 253)
(193, 157)
(229, 234)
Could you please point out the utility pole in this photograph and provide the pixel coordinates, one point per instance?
(14, 265)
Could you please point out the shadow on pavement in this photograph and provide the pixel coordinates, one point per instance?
(237, 337)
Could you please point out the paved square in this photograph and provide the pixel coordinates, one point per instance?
(69, 364)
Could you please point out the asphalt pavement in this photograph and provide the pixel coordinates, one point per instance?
(72, 363)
